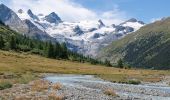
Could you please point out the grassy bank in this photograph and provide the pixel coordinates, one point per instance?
(23, 67)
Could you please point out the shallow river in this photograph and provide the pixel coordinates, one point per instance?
(144, 92)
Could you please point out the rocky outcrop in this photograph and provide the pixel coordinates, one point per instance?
(53, 18)
(11, 19)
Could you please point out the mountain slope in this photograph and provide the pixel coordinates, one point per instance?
(11, 40)
(85, 37)
(11, 19)
(26, 27)
(35, 32)
(149, 47)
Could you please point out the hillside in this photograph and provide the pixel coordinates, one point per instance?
(149, 47)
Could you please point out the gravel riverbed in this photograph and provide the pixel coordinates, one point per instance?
(85, 87)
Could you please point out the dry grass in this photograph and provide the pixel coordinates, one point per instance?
(110, 92)
(22, 97)
(57, 86)
(53, 96)
(22, 63)
(40, 85)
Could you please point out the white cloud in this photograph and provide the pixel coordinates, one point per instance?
(114, 16)
(68, 10)
(155, 19)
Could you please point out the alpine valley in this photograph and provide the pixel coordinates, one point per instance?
(137, 44)
(45, 57)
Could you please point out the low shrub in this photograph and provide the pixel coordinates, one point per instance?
(53, 96)
(5, 85)
(37, 51)
(127, 67)
(26, 78)
(24, 48)
(57, 86)
(135, 82)
(40, 85)
(110, 92)
(22, 97)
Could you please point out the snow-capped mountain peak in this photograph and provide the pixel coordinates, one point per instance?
(22, 14)
(135, 20)
(132, 20)
(33, 16)
(134, 23)
(101, 24)
(53, 18)
(10, 18)
(78, 30)
(85, 37)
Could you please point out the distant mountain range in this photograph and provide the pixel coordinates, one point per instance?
(86, 37)
(149, 47)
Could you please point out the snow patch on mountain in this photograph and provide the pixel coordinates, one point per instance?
(134, 25)
(85, 37)
(22, 15)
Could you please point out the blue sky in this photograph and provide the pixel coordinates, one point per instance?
(108, 10)
(145, 10)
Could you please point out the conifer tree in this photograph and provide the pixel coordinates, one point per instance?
(50, 50)
(2, 42)
(64, 52)
(30, 44)
(57, 50)
(120, 63)
(107, 63)
(12, 42)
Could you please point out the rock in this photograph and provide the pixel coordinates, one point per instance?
(11, 19)
(101, 24)
(53, 18)
(34, 17)
(20, 11)
(78, 30)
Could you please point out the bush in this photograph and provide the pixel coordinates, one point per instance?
(120, 63)
(37, 51)
(135, 82)
(5, 85)
(57, 86)
(24, 48)
(110, 92)
(40, 85)
(54, 96)
(26, 78)
(107, 63)
(127, 67)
